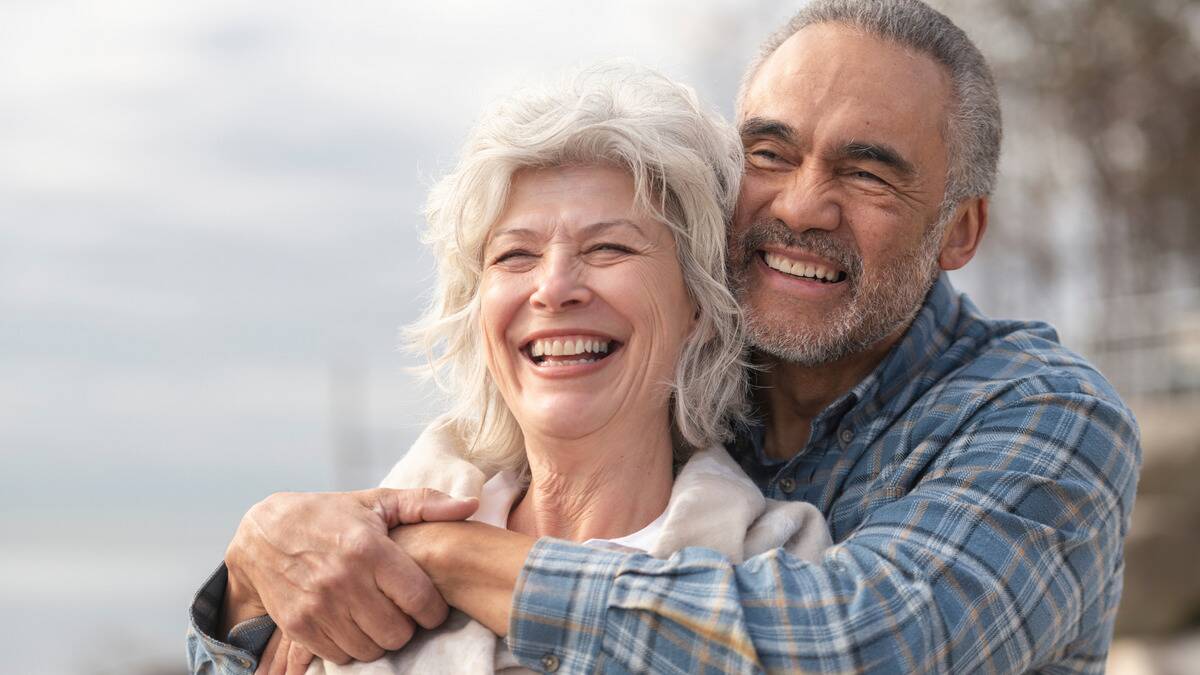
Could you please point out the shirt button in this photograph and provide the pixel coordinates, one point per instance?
(846, 436)
(787, 485)
(549, 663)
(245, 663)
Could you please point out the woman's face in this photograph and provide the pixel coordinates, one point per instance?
(584, 308)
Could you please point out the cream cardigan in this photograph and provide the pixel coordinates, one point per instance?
(713, 504)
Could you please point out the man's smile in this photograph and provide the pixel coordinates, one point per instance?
(809, 268)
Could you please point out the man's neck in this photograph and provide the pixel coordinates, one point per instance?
(792, 395)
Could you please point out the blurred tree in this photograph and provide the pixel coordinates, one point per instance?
(1117, 82)
(1123, 78)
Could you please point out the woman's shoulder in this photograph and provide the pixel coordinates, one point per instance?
(437, 459)
(715, 505)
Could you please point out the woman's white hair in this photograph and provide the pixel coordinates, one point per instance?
(686, 164)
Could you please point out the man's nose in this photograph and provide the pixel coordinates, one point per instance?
(805, 201)
(561, 285)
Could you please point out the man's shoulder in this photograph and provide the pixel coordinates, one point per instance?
(1011, 380)
(1006, 360)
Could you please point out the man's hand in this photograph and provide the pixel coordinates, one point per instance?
(283, 657)
(323, 567)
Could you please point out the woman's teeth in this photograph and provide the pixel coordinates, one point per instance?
(552, 352)
(799, 269)
(568, 346)
(570, 362)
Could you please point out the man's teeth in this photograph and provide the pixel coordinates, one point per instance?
(800, 269)
(568, 346)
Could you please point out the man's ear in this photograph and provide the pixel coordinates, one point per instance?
(964, 233)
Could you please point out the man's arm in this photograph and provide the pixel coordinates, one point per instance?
(990, 562)
(324, 568)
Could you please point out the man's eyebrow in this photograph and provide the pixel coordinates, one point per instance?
(877, 152)
(762, 126)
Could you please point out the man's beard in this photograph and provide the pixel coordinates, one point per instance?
(880, 301)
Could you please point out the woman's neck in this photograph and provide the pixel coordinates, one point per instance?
(603, 486)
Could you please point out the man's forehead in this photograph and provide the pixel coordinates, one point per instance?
(834, 60)
(837, 79)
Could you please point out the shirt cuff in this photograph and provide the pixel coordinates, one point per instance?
(245, 642)
(560, 604)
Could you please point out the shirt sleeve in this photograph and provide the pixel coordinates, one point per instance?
(239, 652)
(994, 557)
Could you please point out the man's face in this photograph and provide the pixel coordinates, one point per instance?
(835, 238)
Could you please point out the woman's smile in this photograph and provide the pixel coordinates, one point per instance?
(583, 306)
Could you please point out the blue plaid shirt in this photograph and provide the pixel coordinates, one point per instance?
(978, 485)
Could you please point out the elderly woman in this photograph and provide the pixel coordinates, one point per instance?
(584, 332)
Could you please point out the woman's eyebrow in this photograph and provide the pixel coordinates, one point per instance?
(594, 229)
(510, 232)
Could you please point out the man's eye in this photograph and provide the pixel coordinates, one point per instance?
(765, 157)
(867, 175)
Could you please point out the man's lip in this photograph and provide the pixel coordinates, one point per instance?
(803, 287)
(802, 257)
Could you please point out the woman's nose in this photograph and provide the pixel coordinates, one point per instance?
(560, 286)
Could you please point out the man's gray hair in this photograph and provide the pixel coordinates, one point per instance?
(686, 165)
(972, 129)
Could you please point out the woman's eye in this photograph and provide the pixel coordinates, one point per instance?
(511, 256)
(610, 247)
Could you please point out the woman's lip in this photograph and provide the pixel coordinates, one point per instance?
(565, 332)
(572, 370)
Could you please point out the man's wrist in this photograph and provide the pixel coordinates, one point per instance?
(241, 602)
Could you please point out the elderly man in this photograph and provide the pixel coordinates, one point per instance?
(977, 476)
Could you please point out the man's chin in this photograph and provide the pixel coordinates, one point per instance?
(810, 346)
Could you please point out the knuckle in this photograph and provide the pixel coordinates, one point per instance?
(371, 653)
(360, 544)
(326, 585)
(422, 596)
(398, 635)
(300, 621)
(428, 493)
(309, 608)
(296, 626)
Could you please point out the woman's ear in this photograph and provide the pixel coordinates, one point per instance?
(962, 236)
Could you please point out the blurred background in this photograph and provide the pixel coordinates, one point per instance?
(208, 239)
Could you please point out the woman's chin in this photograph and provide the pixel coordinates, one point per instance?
(565, 416)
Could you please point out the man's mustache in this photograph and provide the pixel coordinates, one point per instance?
(816, 242)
